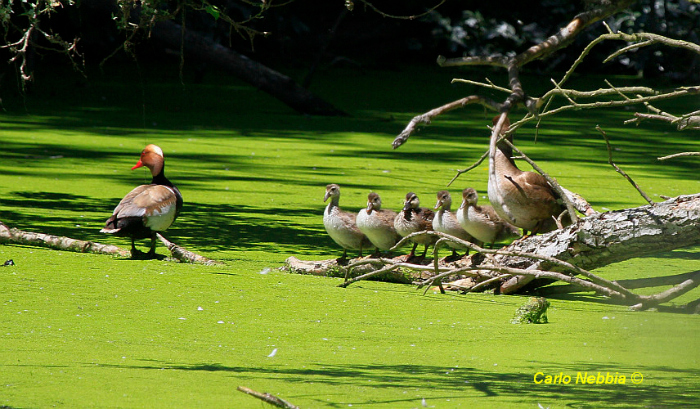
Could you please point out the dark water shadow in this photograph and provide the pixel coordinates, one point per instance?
(679, 389)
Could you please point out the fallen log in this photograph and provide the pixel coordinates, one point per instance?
(184, 255)
(17, 236)
(611, 237)
(14, 235)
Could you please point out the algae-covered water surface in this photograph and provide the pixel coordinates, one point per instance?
(83, 330)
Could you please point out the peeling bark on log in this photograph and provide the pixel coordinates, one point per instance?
(611, 237)
(13, 235)
(317, 268)
(268, 80)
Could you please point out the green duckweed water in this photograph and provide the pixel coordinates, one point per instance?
(82, 330)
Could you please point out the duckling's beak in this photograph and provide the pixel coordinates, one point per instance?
(463, 205)
(438, 204)
(370, 207)
(407, 205)
(326, 196)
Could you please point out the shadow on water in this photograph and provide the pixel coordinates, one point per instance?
(678, 389)
(109, 107)
(213, 227)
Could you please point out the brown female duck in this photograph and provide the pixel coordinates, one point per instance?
(523, 199)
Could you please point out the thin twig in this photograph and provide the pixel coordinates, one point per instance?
(474, 165)
(388, 265)
(505, 252)
(690, 120)
(676, 291)
(400, 17)
(678, 155)
(471, 271)
(620, 171)
(489, 85)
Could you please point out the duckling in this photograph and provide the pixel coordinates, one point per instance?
(446, 222)
(482, 222)
(378, 224)
(523, 199)
(341, 225)
(412, 219)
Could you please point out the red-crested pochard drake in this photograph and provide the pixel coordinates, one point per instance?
(378, 224)
(413, 219)
(341, 225)
(446, 222)
(148, 208)
(523, 199)
(482, 222)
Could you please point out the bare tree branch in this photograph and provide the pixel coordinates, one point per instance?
(677, 155)
(620, 171)
(427, 117)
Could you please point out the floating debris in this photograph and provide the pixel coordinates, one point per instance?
(534, 312)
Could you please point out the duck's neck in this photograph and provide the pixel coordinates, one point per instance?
(500, 156)
(504, 159)
(160, 179)
(333, 203)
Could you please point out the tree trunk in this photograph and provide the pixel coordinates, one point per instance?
(254, 73)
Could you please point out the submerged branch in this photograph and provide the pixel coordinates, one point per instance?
(186, 256)
(268, 398)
